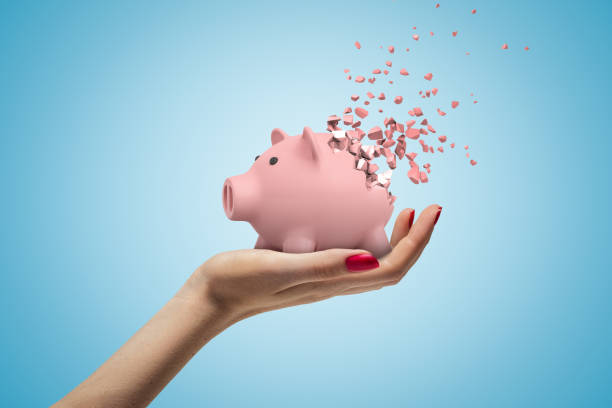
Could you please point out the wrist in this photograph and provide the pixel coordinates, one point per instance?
(198, 302)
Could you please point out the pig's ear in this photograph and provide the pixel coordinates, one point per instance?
(278, 135)
(310, 145)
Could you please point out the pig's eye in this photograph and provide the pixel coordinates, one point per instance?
(256, 157)
(273, 160)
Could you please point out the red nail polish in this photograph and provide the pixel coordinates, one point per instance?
(411, 219)
(438, 215)
(361, 262)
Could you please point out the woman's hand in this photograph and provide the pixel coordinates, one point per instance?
(242, 283)
(231, 286)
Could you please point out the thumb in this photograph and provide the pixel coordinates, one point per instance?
(327, 264)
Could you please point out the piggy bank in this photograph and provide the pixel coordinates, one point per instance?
(303, 195)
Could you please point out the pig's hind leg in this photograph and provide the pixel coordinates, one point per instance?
(376, 242)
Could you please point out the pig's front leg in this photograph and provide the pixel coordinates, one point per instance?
(261, 243)
(298, 244)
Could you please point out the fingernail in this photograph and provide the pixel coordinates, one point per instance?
(438, 215)
(361, 262)
(411, 219)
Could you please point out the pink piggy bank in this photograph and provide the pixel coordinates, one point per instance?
(301, 195)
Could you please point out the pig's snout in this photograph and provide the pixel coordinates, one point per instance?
(239, 198)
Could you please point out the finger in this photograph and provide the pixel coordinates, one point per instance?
(362, 289)
(394, 265)
(318, 266)
(408, 250)
(402, 225)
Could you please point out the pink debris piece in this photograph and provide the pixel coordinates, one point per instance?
(346, 70)
(431, 33)
(362, 113)
(398, 99)
(454, 104)
(442, 139)
(366, 103)
(466, 147)
(431, 149)
(467, 155)
(386, 72)
(440, 149)
(415, 37)
(454, 33)
(475, 101)
(371, 80)
(354, 97)
(428, 93)
(391, 82)
(428, 76)
(431, 129)
(358, 45)
(526, 48)
(362, 164)
(356, 124)
(505, 46)
(424, 178)
(418, 111)
(400, 127)
(349, 77)
(474, 11)
(410, 123)
(407, 49)
(370, 95)
(388, 143)
(412, 133)
(413, 174)
(404, 72)
(391, 49)
(381, 96)
(411, 156)
(423, 131)
(452, 145)
(347, 110)
(411, 112)
(375, 133)
(441, 113)
(424, 122)
(438, 5)
(388, 63)
(360, 133)
(434, 91)
(473, 162)
(347, 119)
(359, 79)
(372, 167)
(377, 71)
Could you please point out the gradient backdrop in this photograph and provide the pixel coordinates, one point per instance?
(121, 120)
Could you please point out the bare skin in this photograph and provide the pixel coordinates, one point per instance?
(232, 286)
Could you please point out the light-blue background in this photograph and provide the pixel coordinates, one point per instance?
(120, 121)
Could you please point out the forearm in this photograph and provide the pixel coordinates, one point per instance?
(147, 362)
